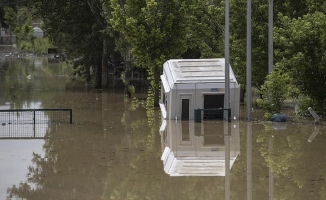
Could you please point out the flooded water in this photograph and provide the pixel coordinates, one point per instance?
(116, 149)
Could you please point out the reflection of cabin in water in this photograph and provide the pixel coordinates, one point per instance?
(189, 84)
(198, 149)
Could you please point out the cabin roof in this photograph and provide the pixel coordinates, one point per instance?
(197, 70)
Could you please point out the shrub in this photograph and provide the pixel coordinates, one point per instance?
(273, 92)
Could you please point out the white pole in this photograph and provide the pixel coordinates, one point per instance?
(227, 56)
(270, 36)
(248, 89)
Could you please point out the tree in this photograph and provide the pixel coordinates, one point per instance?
(274, 91)
(259, 41)
(207, 31)
(10, 17)
(78, 29)
(156, 31)
(291, 8)
(301, 48)
(12, 4)
(149, 27)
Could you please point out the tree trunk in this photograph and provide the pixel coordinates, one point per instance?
(127, 73)
(88, 73)
(104, 65)
(98, 79)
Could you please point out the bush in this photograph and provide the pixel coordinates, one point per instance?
(273, 93)
(41, 45)
(304, 104)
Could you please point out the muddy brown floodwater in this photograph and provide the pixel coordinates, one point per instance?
(114, 148)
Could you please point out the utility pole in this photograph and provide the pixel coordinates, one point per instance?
(227, 55)
(270, 68)
(270, 36)
(248, 89)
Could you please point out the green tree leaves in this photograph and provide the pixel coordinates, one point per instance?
(304, 44)
(148, 32)
(274, 91)
(10, 17)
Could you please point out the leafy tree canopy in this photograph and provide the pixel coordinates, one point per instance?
(301, 49)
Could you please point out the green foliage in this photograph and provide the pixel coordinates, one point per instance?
(131, 90)
(238, 24)
(305, 103)
(79, 31)
(154, 31)
(301, 46)
(24, 33)
(20, 23)
(162, 30)
(267, 115)
(123, 77)
(41, 45)
(293, 9)
(25, 45)
(273, 92)
(10, 17)
(24, 36)
(302, 109)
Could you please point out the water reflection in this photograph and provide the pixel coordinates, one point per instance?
(27, 83)
(279, 125)
(2, 98)
(22, 78)
(249, 160)
(314, 134)
(199, 149)
(113, 151)
(15, 158)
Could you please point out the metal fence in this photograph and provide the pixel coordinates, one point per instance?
(32, 123)
(35, 116)
(212, 114)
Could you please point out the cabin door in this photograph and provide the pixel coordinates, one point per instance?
(211, 102)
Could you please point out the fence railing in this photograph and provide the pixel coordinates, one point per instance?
(35, 116)
(212, 114)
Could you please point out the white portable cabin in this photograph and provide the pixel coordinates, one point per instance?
(189, 84)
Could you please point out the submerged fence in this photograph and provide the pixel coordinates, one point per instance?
(35, 116)
(31, 123)
(212, 114)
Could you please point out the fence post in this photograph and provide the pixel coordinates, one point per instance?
(314, 114)
(34, 117)
(197, 116)
(229, 115)
(70, 115)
